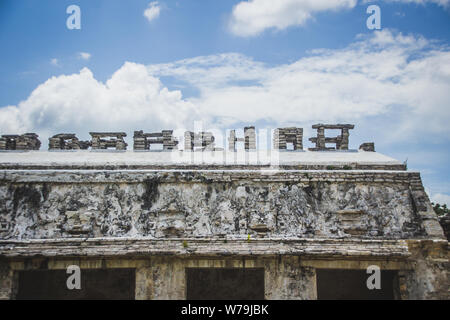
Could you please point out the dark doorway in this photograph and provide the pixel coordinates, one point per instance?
(225, 283)
(99, 284)
(351, 285)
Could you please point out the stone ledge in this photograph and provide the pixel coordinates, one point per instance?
(136, 176)
(183, 247)
(331, 166)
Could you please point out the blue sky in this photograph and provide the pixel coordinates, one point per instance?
(231, 63)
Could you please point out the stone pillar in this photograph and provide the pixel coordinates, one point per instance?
(232, 141)
(285, 279)
(140, 141)
(6, 281)
(429, 279)
(321, 138)
(341, 141)
(279, 139)
(250, 138)
(168, 280)
(293, 135)
(198, 141)
(188, 141)
(27, 141)
(169, 142)
(143, 290)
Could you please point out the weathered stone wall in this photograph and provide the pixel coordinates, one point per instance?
(290, 222)
(429, 277)
(188, 204)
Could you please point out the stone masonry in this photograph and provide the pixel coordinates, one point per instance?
(143, 141)
(282, 136)
(367, 146)
(249, 139)
(27, 141)
(117, 142)
(67, 141)
(198, 141)
(292, 218)
(341, 141)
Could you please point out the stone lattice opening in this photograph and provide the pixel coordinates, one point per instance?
(225, 283)
(351, 285)
(97, 284)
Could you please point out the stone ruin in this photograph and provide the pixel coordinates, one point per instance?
(166, 230)
(143, 141)
(67, 141)
(198, 141)
(99, 143)
(367, 146)
(27, 141)
(341, 141)
(249, 139)
(283, 136)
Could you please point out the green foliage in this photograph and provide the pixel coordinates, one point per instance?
(185, 244)
(440, 210)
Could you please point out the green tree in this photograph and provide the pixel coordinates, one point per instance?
(440, 210)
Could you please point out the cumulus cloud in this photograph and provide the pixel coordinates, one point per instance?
(397, 85)
(84, 55)
(400, 82)
(131, 99)
(250, 18)
(152, 11)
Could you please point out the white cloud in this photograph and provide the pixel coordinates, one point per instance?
(395, 85)
(152, 11)
(252, 17)
(402, 81)
(130, 100)
(441, 198)
(54, 62)
(84, 55)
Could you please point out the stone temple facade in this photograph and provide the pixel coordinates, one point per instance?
(279, 224)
